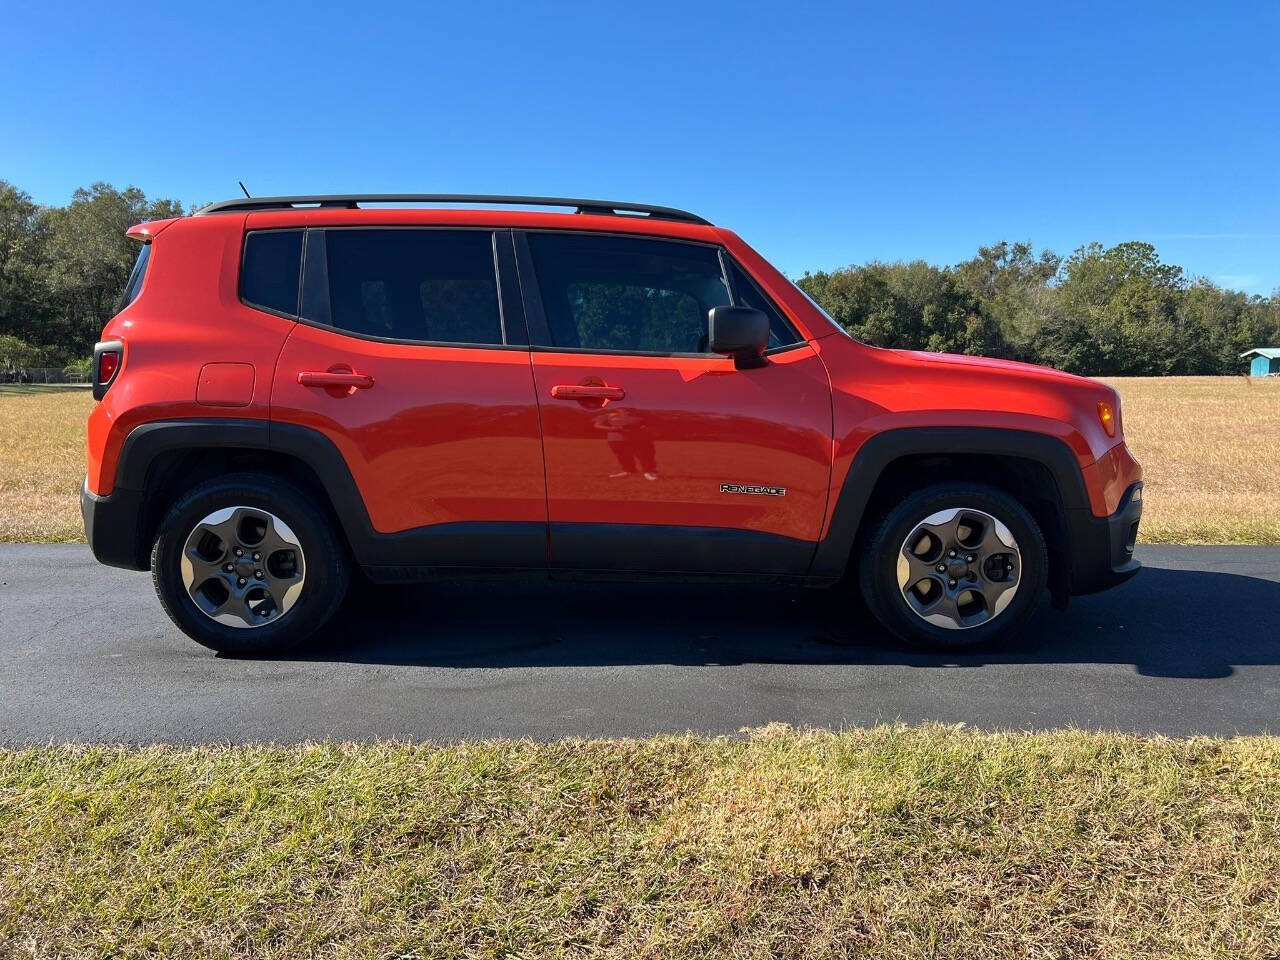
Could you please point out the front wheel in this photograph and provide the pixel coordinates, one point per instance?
(953, 566)
(248, 564)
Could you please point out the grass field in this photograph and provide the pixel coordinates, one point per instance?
(1207, 445)
(890, 842)
(42, 462)
(1208, 452)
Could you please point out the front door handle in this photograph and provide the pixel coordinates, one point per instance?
(333, 378)
(586, 391)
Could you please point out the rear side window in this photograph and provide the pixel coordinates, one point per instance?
(627, 294)
(270, 271)
(133, 286)
(420, 285)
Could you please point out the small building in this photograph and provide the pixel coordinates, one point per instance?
(1265, 362)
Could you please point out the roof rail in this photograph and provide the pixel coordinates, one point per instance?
(352, 201)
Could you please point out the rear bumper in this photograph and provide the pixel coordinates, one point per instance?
(111, 526)
(1102, 547)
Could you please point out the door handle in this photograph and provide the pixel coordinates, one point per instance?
(330, 378)
(586, 391)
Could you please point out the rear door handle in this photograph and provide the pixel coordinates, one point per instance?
(329, 378)
(588, 391)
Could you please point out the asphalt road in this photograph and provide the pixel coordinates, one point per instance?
(1190, 646)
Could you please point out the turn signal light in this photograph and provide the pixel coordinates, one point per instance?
(1108, 418)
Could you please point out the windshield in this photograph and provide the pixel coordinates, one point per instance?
(817, 306)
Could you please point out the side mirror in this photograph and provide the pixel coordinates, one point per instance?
(739, 332)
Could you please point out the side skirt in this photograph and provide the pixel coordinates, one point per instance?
(675, 550)
(627, 553)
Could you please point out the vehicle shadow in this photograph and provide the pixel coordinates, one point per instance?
(1170, 623)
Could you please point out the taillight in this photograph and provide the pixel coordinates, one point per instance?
(106, 364)
(108, 360)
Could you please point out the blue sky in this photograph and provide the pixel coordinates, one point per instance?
(824, 135)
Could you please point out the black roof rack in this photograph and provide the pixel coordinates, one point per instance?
(352, 201)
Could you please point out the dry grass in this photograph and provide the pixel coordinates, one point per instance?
(1207, 444)
(890, 842)
(42, 462)
(1208, 447)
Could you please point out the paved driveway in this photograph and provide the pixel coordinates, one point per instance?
(1190, 646)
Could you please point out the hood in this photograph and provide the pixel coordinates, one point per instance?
(995, 366)
(958, 388)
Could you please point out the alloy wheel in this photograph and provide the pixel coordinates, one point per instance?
(959, 568)
(243, 567)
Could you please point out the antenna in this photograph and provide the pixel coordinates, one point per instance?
(242, 187)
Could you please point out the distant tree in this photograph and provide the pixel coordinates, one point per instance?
(15, 355)
(90, 258)
(81, 367)
(914, 305)
(1118, 312)
(1212, 328)
(1012, 286)
(24, 301)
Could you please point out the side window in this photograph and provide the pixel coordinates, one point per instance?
(747, 294)
(269, 272)
(406, 284)
(629, 294)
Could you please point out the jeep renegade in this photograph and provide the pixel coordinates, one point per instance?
(297, 387)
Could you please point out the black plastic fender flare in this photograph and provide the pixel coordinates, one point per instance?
(879, 451)
(517, 545)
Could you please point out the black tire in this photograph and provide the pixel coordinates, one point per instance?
(878, 567)
(324, 559)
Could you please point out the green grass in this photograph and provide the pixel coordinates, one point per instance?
(890, 842)
(34, 389)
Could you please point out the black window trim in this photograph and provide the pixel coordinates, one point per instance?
(262, 307)
(510, 315)
(727, 260)
(540, 340)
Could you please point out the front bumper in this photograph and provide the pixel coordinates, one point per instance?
(1102, 547)
(111, 526)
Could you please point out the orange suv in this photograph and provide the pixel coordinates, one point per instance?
(298, 387)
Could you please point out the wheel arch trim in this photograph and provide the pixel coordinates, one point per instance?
(145, 444)
(517, 544)
(878, 452)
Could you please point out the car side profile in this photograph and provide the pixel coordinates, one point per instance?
(298, 388)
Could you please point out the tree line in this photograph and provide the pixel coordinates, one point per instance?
(1116, 311)
(1101, 311)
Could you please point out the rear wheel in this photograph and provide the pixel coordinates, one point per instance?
(954, 565)
(248, 564)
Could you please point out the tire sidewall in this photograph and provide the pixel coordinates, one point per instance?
(323, 562)
(878, 570)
